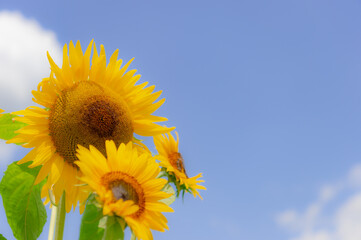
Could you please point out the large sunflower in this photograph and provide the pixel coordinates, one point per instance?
(86, 102)
(126, 185)
(172, 161)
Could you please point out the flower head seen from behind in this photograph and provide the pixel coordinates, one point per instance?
(171, 159)
(126, 185)
(86, 102)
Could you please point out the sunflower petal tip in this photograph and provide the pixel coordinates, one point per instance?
(48, 55)
(171, 129)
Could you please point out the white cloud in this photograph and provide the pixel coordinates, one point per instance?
(343, 223)
(23, 46)
(348, 219)
(321, 235)
(23, 63)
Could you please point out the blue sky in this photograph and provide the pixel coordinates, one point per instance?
(264, 94)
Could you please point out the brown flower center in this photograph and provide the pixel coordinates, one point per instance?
(126, 187)
(100, 117)
(176, 160)
(87, 114)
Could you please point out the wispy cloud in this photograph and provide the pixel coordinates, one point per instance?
(314, 223)
(23, 46)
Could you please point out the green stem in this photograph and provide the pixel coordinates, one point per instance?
(52, 222)
(60, 219)
(106, 230)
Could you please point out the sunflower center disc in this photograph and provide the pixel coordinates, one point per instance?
(123, 190)
(177, 161)
(100, 118)
(87, 114)
(122, 186)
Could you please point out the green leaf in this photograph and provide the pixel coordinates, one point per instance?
(168, 189)
(114, 230)
(90, 221)
(2, 237)
(24, 209)
(8, 126)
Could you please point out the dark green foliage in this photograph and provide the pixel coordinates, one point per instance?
(24, 209)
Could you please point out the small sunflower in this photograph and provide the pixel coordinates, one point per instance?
(172, 161)
(126, 185)
(86, 102)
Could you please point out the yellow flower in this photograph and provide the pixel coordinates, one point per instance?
(126, 185)
(172, 160)
(1, 110)
(86, 102)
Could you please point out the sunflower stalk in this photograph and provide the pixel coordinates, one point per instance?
(60, 219)
(54, 211)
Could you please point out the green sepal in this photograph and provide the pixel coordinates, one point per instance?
(90, 223)
(24, 209)
(2, 237)
(8, 126)
(181, 188)
(162, 173)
